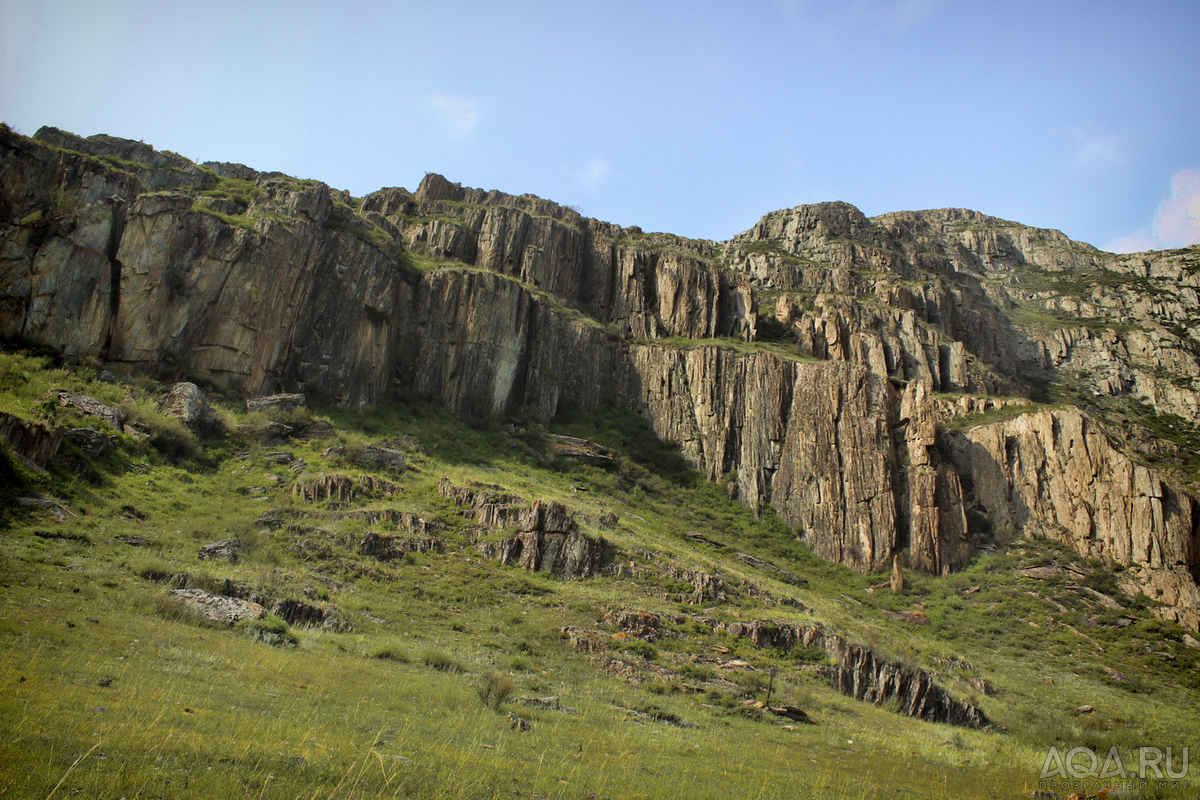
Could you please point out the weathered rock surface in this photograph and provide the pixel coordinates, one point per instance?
(812, 440)
(188, 404)
(563, 555)
(276, 403)
(91, 407)
(547, 540)
(88, 439)
(389, 548)
(224, 550)
(36, 442)
(295, 287)
(218, 608)
(862, 674)
(1060, 474)
(339, 490)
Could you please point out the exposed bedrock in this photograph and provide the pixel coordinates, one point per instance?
(271, 284)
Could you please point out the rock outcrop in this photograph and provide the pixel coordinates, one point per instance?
(863, 674)
(188, 404)
(546, 538)
(31, 440)
(1060, 474)
(826, 398)
(218, 608)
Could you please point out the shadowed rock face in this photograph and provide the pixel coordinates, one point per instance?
(861, 673)
(546, 538)
(271, 284)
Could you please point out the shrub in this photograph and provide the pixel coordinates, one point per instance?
(494, 688)
(640, 648)
(810, 655)
(269, 629)
(167, 435)
(436, 659)
(696, 672)
(391, 652)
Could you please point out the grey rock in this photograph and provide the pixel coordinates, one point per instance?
(88, 439)
(92, 408)
(276, 403)
(384, 458)
(224, 550)
(218, 607)
(188, 404)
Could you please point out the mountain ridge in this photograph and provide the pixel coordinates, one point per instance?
(843, 406)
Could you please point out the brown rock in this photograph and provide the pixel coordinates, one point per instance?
(897, 576)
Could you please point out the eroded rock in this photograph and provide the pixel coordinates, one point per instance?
(218, 608)
(188, 404)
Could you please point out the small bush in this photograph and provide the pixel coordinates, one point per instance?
(391, 652)
(696, 672)
(494, 688)
(167, 435)
(436, 659)
(269, 629)
(640, 648)
(810, 655)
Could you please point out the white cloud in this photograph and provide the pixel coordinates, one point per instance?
(595, 173)
(1093, 150)
(1176, 222)
(458, 115)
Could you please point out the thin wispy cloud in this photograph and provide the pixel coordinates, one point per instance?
(1175, 224)
(595, 173)
(458, 115)
(1092, 150)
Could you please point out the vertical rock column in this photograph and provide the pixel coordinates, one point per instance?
(937, 521)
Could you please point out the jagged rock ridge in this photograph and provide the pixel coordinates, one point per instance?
(806, 354)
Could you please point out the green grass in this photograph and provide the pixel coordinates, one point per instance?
(413, 700)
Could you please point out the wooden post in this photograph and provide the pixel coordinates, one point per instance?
(771, 685)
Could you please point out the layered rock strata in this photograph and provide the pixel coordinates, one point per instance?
(489, 303)
(863, 674)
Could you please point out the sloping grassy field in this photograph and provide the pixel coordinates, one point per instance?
(113, 689)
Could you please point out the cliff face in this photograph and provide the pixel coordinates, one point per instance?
(836, 363)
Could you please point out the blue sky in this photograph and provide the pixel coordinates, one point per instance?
(689, 117)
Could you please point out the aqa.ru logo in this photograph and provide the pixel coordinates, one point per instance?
(1082, 762)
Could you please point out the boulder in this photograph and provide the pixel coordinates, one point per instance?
(384, 458)
(88, 439)
(92, 408)
(188, 404)
(275, 403)
(218, 608)
(224, 550)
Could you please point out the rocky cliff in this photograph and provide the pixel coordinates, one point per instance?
(887, 385)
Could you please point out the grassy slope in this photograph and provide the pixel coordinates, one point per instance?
(391, 709)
